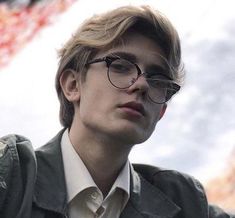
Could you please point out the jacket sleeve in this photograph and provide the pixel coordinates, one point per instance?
(216, 212)
(17, 176)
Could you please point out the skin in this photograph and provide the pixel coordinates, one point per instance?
(103, 131)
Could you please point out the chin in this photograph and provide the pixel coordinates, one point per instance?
(133, 137)
(130, 133)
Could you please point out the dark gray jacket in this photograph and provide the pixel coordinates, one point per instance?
(32, 185)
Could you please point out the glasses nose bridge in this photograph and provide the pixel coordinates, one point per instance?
(140, 73)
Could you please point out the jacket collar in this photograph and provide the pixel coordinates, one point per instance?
(50, 187)
(145, 200)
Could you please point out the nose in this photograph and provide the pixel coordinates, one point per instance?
(139, 85)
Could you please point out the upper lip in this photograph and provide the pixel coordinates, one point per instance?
(135, 106)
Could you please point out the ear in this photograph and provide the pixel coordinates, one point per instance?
(70, 85)
(162, 111)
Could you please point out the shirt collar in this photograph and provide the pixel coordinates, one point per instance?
(123, 179)
(79, 180)
(123, 182)
(50, 188)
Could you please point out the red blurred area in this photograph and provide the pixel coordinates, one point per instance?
(221, 190)
(19, 25)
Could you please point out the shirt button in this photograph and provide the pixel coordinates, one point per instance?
(94, 195)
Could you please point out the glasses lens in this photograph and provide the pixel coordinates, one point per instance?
(161, 90)
(122, 73)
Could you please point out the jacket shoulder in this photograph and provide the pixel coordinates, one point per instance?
(167, 178)
(17, 175)
(182, 189)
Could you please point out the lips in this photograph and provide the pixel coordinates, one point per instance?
(135, 106)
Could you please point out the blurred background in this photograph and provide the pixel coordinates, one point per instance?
(197, 135)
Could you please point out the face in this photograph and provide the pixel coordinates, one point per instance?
(126, 116)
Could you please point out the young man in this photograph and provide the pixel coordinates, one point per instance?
(115, 77)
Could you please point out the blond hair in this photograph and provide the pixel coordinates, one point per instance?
(103, 31)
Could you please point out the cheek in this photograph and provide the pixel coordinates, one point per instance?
(95, 102)
(89, 102)
(156, 116)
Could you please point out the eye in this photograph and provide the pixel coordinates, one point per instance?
(157, 72)
(121, 66)
(160, 83)
(158, 76)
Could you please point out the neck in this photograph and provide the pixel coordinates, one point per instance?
(103, 159)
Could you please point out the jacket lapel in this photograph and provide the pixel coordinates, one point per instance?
(147, 200)
(50, 189)
(50, 193)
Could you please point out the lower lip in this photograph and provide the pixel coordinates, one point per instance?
(131, 112)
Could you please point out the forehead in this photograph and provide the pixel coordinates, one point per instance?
(138, 48)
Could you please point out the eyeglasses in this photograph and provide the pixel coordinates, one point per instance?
(122, 74)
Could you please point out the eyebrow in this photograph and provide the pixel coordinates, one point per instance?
(125, 55)
(132, 58)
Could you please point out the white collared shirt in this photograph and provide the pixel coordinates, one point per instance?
(84, 198)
